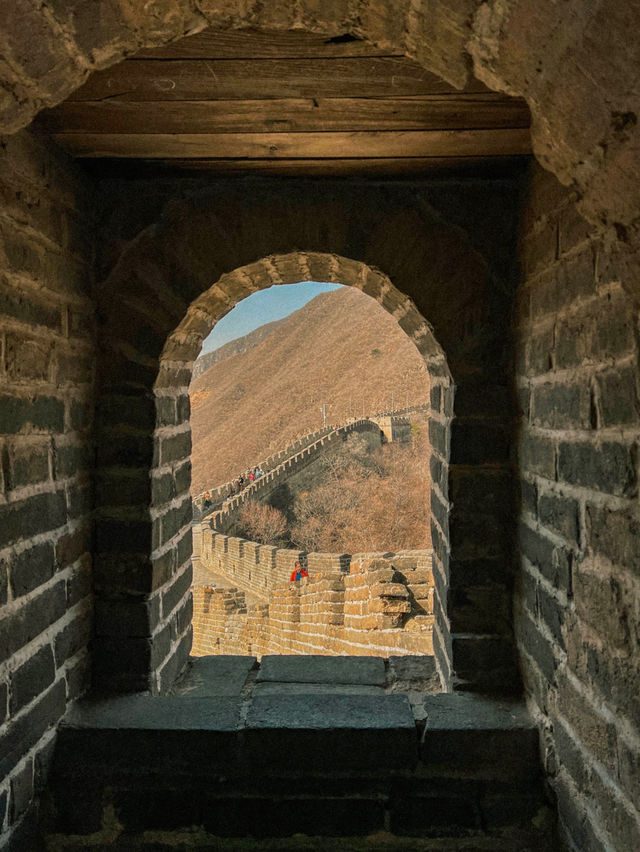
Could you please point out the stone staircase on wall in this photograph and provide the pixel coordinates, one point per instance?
(393, 425)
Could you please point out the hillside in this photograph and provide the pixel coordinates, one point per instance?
(234, 347)
(341, 348)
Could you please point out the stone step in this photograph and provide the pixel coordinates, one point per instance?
(239, 756)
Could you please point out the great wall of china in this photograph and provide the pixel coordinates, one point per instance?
(362, 604)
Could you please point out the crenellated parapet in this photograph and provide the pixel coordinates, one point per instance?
(362, 604)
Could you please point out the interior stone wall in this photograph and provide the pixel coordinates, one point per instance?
(578, 595)
(47, 353)
(157, 303)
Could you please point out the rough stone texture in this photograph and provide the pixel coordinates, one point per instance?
(566, 62)
(318, 763)
(46, 400)
(577, 601)
(207, 677)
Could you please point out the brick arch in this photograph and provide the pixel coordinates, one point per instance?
(155, 309)
(565, 61)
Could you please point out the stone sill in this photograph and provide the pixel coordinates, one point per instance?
(301, 714)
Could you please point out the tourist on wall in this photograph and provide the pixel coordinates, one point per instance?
(298, 572)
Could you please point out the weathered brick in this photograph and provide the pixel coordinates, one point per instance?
(558, 406)
(175, 448)
(32, 678)
(537, 454)
(23, 625)
(554, 563)
(21, 791)
(25, 731)
(40, 413)
(609, 467)
(552, 612)
(70, 459)
(561, 514)
(618, 401)
(71, 546)
(28, 463)
(27, 359)
(72, 638)
(32, 516)
(29, 308)
(614, 533)
(31, 568)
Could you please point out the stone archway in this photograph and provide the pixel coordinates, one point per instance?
(156, 307)
(183, 347)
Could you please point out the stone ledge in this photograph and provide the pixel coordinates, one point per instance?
(317, 668)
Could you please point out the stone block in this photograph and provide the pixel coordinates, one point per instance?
(618, 399)
(609, 467)
(366, 732)
(32, 516)
(269, 688)
(561, 514)
(314, 668)
(41, 414)
(21, 791)
(207, 677)
(31, 568)
(31, 678)
(559, 406)
(480, 737)
(27, 729)
(31, 619)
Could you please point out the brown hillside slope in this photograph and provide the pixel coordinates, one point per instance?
(340, 346)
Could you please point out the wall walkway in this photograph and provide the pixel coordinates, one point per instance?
(284, 464)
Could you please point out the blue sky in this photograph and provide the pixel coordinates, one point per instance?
(264, 306)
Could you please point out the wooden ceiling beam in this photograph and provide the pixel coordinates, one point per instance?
(310, 146)
(435, 112)
(253, 44)
(326, 167)
(185, 80)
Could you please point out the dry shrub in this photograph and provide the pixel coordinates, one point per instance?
(262, 523)
(368, 502)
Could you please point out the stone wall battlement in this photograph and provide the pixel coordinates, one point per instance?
(350, 604)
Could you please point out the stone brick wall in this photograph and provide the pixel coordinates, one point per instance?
(159, 260)
(361, 605)
(46, 413)
(578, 597)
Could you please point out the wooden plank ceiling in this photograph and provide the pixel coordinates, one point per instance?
(289, 103)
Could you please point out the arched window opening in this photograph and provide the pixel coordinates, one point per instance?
(377, 600)
(310, 475)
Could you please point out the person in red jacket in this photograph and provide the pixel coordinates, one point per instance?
(298, 572)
